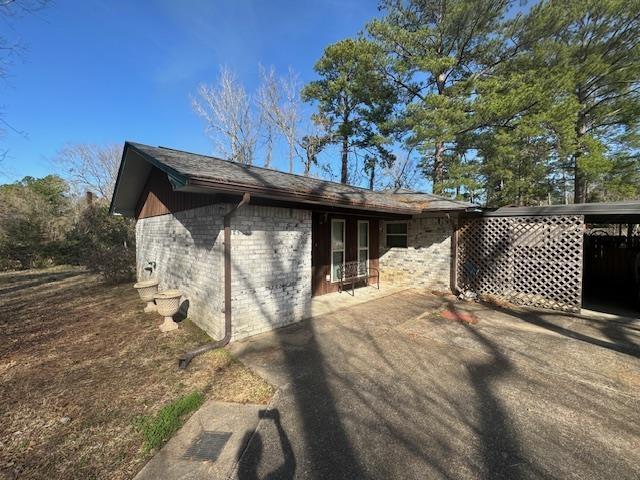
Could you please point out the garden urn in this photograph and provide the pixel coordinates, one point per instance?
(147, 291)
(168, 304)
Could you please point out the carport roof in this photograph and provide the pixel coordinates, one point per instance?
(191, 172)
(600, 212)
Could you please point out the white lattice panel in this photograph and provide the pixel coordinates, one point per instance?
(533, 261)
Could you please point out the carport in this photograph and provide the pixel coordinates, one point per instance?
(563, 257)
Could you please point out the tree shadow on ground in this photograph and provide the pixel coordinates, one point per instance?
(499, 443)
(327, 448)
(325, 393)
(615, 330)
(35, 280)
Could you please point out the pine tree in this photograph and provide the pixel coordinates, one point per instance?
(597, 42)
(353, 99)
(437, 53)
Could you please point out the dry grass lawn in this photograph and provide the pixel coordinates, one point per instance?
(74, 347)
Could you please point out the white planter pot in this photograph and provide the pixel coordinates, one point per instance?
(168, 304)
(147, 291)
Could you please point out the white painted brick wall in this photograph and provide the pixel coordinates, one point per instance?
(187, 249)
(271, 264)
(426, 260)
(271, 275)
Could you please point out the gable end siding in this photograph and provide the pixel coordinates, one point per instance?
(159, 198)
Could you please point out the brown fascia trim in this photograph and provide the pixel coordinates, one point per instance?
(173, 175)
(117, 184)
(267, 192)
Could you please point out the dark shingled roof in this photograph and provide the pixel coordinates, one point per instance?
(194, 172)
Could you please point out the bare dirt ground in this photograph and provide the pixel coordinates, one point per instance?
(73, 347)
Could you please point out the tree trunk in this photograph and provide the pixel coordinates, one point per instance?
(438, 168)
(579, 180)
(344, 178)
(292, 154)
(372, 175)
(269, 156)
(438, 160)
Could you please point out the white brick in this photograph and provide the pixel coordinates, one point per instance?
(271, 264)
(426, 260)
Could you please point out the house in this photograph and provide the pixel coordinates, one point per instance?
(286, 235)
(249, 247)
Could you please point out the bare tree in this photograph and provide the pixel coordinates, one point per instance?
(10, 48)
(91, 167)
(402, 173)
(290, 113)
(269, 140)
(268, 103)
(280, 105)
(11, 9)
(230, 122)
(281, 109)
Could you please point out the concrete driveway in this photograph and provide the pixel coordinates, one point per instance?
(390, 389)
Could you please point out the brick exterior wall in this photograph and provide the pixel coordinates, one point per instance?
(271, 264)
(426, 260)
(271, 275)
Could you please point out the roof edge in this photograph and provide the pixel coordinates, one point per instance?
(177, 180)
(595, 208)
(185, 182)
(117, 184)
(202, 183)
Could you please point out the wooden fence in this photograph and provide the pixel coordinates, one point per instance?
(612, 263)
(534, 261)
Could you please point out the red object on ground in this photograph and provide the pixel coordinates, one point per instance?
(459, 316)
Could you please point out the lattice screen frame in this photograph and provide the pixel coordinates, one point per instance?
(535, 261)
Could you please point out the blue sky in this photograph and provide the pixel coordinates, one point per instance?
(105, 71)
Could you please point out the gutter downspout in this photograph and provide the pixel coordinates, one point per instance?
(453, 265)
(183, 361)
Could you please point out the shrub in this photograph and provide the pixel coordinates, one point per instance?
(104, 243)
(35, 215)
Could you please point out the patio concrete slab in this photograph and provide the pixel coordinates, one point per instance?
(334, 302)
(390, 389)
(207, 446)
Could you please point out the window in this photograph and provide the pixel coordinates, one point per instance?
(396, 235)
(363, 247)
(337, 247)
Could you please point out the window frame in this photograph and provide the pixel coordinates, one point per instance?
(344, 246)
(387, 234)
(368, 248)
